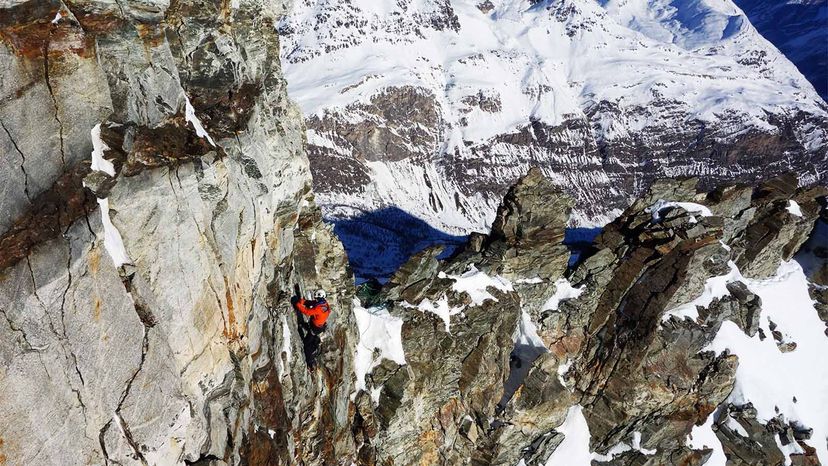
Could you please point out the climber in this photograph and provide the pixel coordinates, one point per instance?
(318, 310)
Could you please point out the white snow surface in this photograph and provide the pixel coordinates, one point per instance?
(378, 329)
(99, 163)
(190, 116)
(771, 379)
(586, 51)
(440, 308)
(113, 243)
(563, 291)
(690, 207)
(793, 208)
(702, 437)
(475, 283)
(574, 450)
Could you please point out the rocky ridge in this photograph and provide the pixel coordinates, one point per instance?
(612, 346)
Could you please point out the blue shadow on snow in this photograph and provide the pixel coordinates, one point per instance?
(380, 241)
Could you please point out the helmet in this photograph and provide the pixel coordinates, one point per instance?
(320, 294)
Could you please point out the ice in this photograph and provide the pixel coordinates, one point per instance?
(379, 330)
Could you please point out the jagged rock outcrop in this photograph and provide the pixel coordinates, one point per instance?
(626, 329)
(154, 326)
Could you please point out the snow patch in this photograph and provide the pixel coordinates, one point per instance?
(563, 291)
(703, 437)
(793, 208)
(440, 308)
(562, 370)
(734, 425)
(690, 207)
(189, 114)
(113, 242)
(636, 444)
(771, 379)
(99, 163)
(475, 284)
(529, 281)
(528, 344)
(378, 330)
(574, 450)
(575, 446)
(714, 288)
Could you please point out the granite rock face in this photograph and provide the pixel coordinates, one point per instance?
(156, 328)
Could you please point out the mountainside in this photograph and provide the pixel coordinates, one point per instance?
(436, 106)
(799, 29)
(157, 221)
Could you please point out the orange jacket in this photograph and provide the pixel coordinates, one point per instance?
(317, 311)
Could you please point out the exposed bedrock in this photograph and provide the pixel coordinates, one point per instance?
(159, 331)
(616, 345)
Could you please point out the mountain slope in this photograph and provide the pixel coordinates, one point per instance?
(799, 29)
(436, 106)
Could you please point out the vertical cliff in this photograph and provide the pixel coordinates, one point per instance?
(155, 214)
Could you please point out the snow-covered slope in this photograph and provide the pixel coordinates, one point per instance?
(435, 106)
(799, 28)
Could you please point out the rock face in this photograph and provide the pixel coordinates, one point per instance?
(156, 328)
(622, 337)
